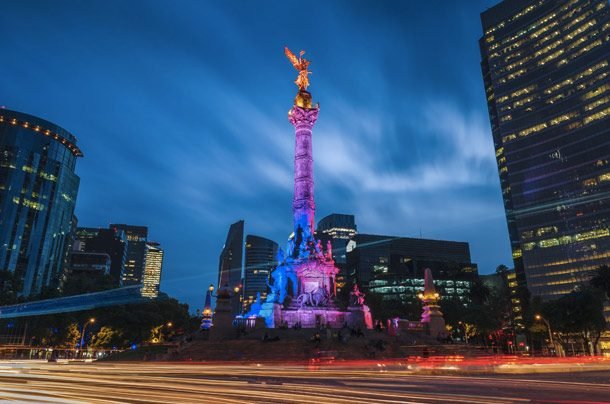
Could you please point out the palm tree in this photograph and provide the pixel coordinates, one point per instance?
(479, 292)
(601, 280)
(501, 269)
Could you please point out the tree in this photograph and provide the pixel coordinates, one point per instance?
(578, 314)
(502, 269)
(107, 337)
(10, 286)
(601, 280)
(479, 292)
(72, 336)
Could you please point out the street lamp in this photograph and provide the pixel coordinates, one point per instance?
(82, 333)
(548, 326)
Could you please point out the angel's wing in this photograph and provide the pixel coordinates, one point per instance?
(291, 56)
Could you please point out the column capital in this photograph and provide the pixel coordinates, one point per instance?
(303, 116)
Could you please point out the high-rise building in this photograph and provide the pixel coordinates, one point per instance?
(151, 278)
(231, 260)
(260, 260)
(38, 188)
(339, 229)
(135, 259)
(394, 266)
(110, 241)
(546, 73)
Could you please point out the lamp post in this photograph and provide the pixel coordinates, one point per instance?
(157, 332)
(548, 326)
(82, 333)
(168, 326)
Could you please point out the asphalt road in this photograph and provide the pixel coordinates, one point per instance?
(217, 383)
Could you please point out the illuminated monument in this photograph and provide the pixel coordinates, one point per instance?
(306, 271)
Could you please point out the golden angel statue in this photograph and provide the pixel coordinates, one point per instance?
(301, 64)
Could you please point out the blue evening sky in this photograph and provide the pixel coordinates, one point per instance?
(180, 109)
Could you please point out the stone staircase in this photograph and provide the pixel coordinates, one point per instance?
(298, 345)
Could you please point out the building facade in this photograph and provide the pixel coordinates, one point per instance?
(110, 241)
(231, 262)
(38, 189)
(135, 260)
(260, 260)
(151, 278)
(546, 73)
(88, 263)
(394, 266)
(338, 229)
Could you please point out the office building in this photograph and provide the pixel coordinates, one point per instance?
(112, 242)
(546, 73)
(151, 278)
(394, 266)
(88, 263)
(38, 189)
(338, 229)
(231, 262)
(135, 259)
(260, 260)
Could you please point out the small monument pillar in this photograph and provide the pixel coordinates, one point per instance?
(431, 318)
(223, 315)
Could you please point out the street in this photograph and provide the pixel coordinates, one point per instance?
(221, 383)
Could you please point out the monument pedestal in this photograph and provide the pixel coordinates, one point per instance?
(272, 313)
(223, 320)
(314, 317)
(433, 321)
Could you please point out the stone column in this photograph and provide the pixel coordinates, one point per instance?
(303, 116)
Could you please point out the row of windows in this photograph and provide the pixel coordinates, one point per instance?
(533, 36)
(582, 47)
(28, 203)
(515, 17)
(588, 119)
(572, 89)
(543, 267)
(542, 22)
(564, 240)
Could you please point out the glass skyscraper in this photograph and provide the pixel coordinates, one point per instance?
(135, 259)
(546, 72)
(260, 260)
(38, 189)
(151, 278)
(230, 262)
